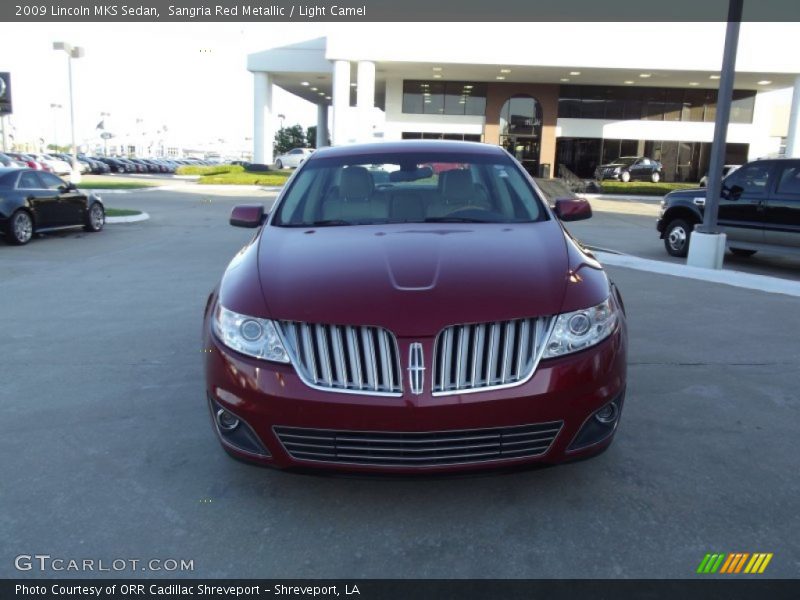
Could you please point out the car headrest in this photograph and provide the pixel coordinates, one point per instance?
(457, 182)
(356, 184)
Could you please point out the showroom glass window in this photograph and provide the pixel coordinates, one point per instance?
(444, 97)
(650, 103)
(520, 115)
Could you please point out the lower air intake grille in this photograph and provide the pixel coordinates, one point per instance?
(418, 449)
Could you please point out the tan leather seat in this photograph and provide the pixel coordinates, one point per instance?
(458, 191)
(356, 199)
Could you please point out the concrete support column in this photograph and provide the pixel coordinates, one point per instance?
(341, 101)
(365, 98)
(263, 127)
(322, 125)
(793, 137)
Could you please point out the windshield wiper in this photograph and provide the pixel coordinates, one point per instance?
(326, 223)
(455, 220)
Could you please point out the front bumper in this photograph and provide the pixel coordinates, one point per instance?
(269, 399)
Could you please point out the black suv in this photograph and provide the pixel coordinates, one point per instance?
(627, 168)
(759, 209)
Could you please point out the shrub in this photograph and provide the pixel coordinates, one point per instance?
(644, 188)
(271, 178)
(209, 169)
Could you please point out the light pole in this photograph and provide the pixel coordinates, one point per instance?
(72, 52)
(55, 108)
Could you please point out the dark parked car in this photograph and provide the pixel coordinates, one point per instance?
(629, 168)
(759, 210)
(116, 165)
(431, 322)
(36, 201)
(97, 167)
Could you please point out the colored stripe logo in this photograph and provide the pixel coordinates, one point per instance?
(734, 562)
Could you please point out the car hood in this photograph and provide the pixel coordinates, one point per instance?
(413, 279)
(689, 193)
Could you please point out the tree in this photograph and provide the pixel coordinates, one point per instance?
(287, 138)
(311, 137)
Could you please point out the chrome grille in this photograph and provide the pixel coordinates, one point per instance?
(391, 449)
(488, 355)
(344, 358)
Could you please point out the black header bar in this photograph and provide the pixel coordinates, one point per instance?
(387, 589)
(268, 11)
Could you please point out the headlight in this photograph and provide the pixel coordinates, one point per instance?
(577, 330)
(249, 335)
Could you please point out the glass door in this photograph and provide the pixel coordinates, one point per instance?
(525, 149)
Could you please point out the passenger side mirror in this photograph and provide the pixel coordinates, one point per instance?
(573, 209)
(247, 215)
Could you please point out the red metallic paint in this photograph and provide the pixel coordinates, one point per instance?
(414, 279)
(569, 388)
(573, 209)
(247, 215)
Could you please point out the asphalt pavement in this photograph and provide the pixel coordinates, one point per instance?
(109, 453)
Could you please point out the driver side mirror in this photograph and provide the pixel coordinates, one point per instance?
(68, 187)
(573, 209)
(247, 215)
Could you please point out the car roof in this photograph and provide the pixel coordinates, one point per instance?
(6, 170)
(410, 146)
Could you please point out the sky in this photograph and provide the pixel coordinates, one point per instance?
(189, 77)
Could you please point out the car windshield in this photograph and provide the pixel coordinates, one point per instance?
(406, 187)
(625, 160)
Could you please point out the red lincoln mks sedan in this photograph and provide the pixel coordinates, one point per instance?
(392, 316)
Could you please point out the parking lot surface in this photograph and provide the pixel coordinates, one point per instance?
(109, 452)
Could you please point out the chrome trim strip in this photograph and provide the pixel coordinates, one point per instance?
(510, 455)
(416, 368)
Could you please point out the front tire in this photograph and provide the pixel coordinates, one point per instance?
(625, 177)
(676, 238)
(655, 177)
(95, 218)
(19, 229)
(742, 252)
(278, 165)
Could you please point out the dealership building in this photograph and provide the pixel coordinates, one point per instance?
(556, 95)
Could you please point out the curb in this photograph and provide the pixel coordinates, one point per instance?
(740, 279)
(129, 219)
(150, 188)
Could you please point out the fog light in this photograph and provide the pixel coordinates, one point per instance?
(607, 414)
(226, 421)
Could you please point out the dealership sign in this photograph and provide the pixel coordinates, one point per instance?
(5, 94)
